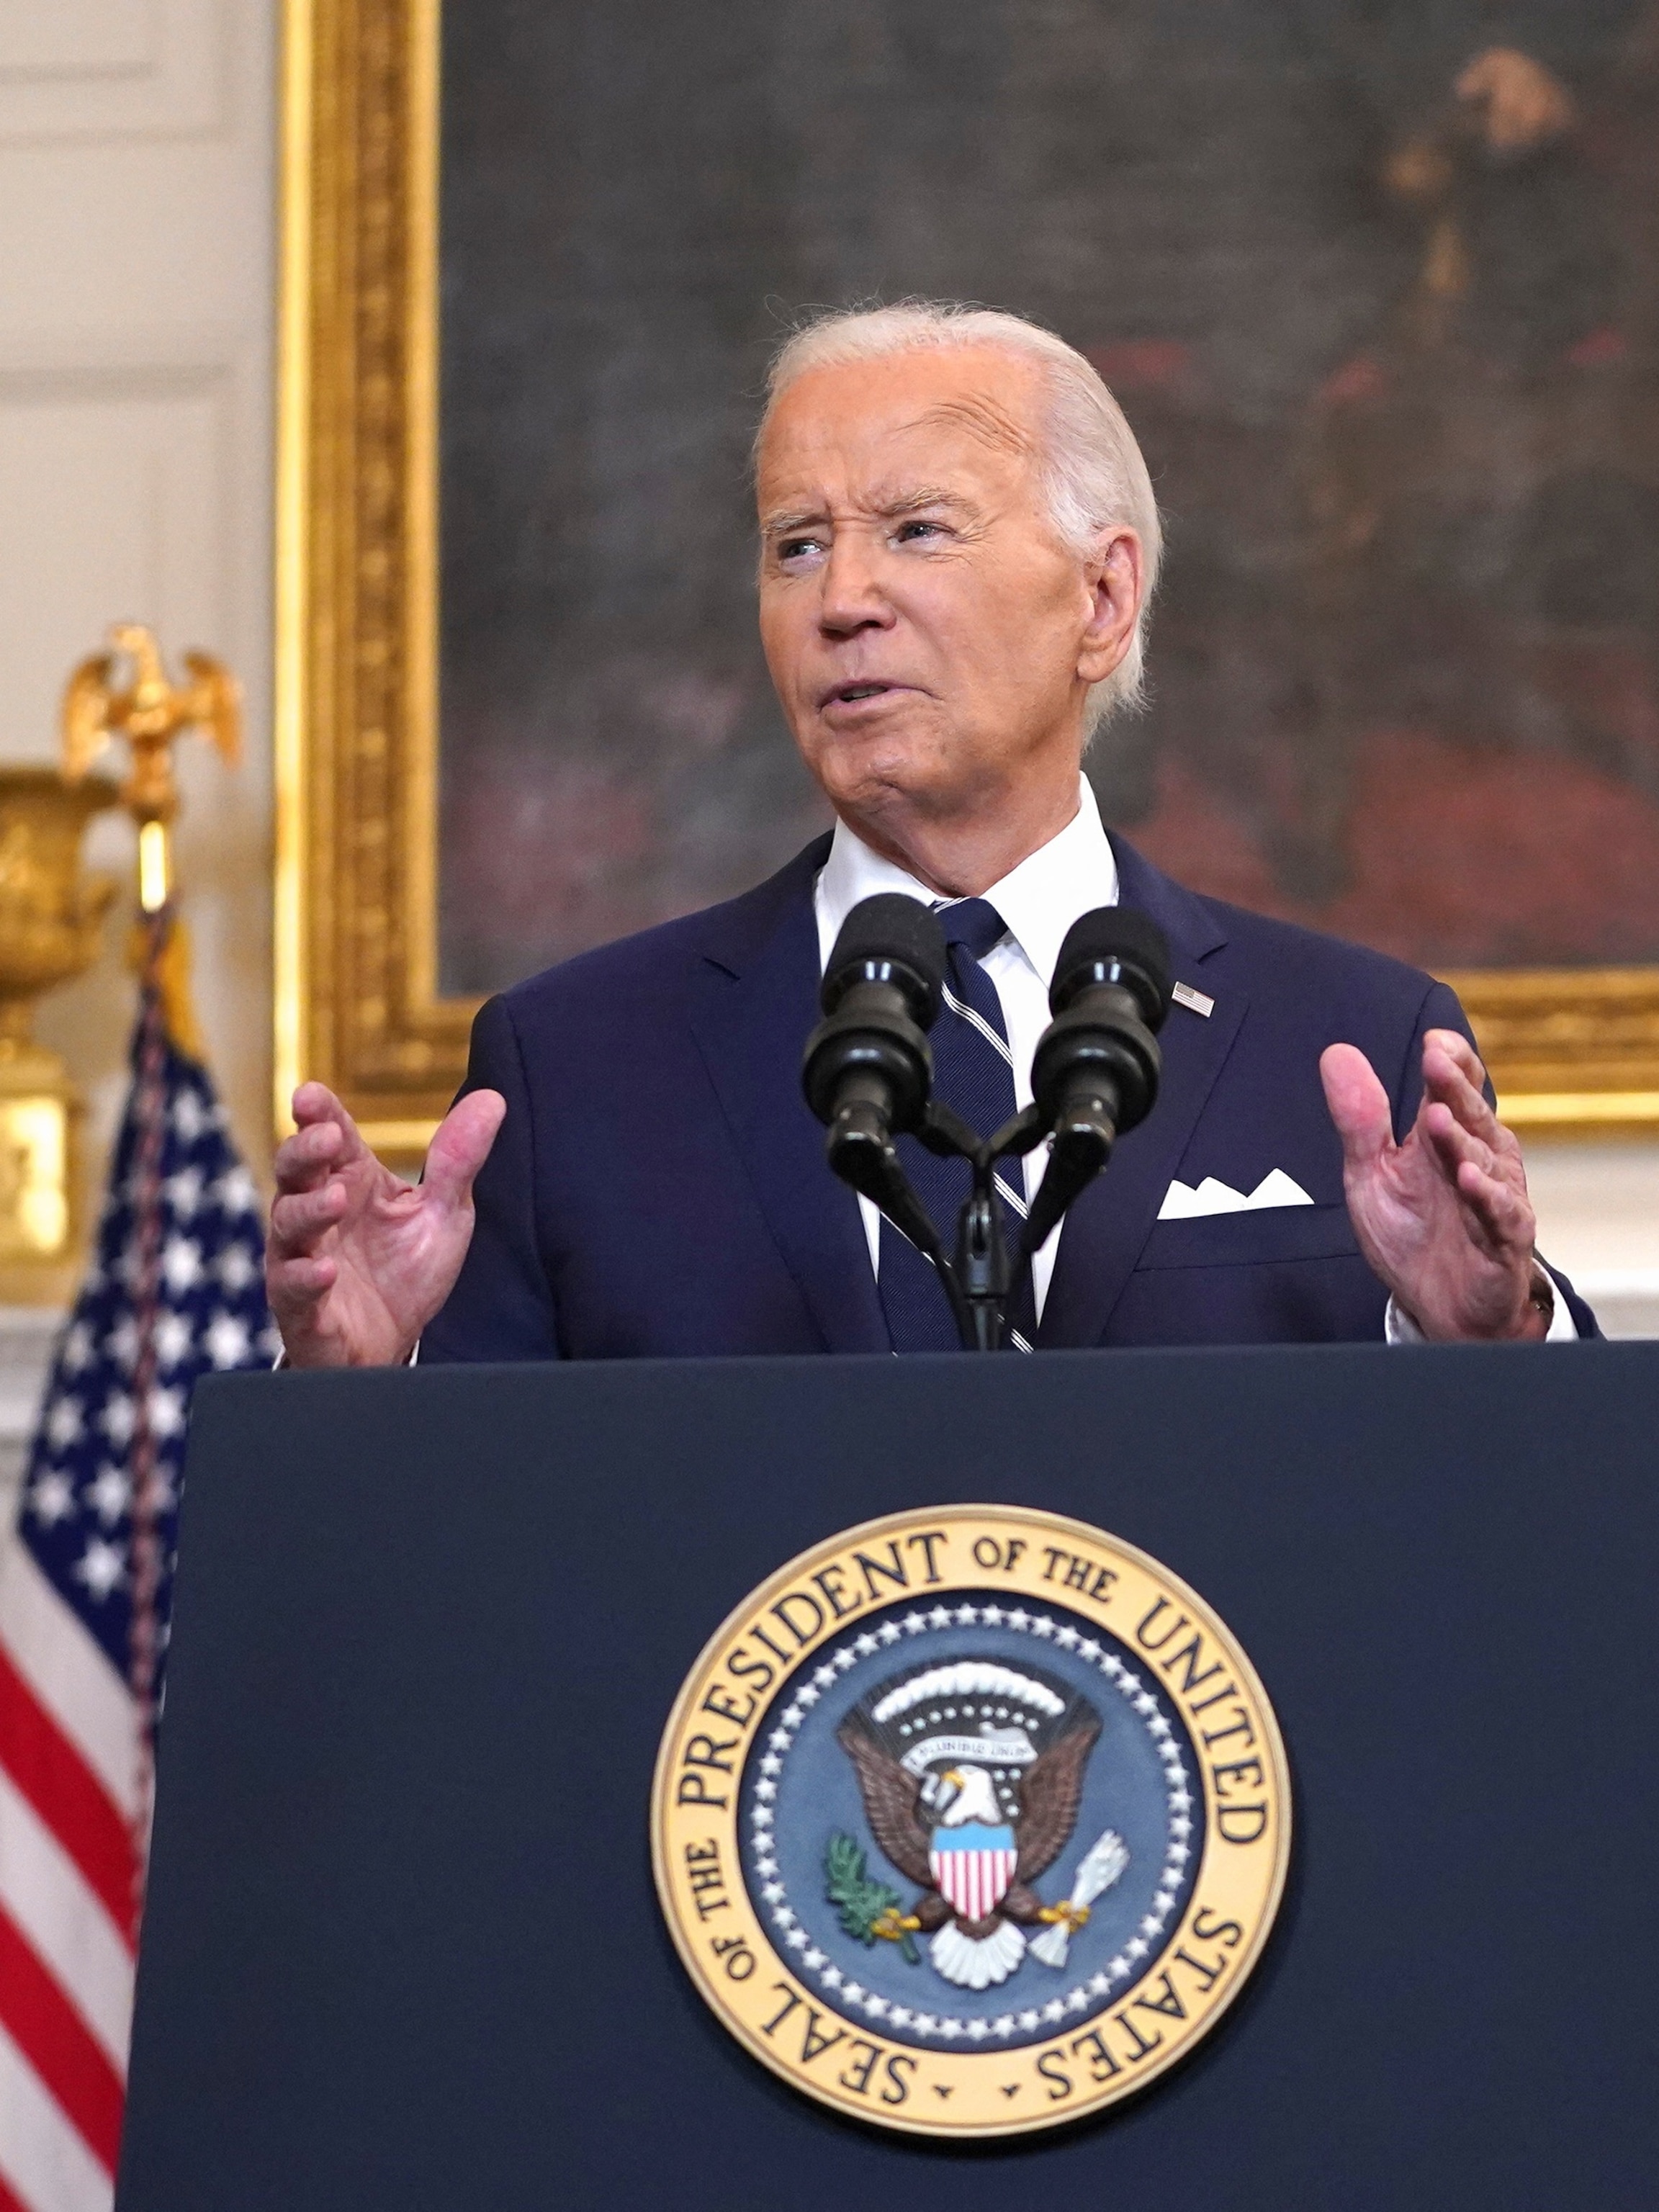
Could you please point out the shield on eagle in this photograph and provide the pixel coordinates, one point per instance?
(973, 1866)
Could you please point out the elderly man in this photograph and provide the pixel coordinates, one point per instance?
(958, 541)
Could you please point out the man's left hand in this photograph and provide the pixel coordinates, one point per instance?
(1443, 1219)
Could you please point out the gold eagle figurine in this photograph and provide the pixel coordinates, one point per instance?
(149, 712)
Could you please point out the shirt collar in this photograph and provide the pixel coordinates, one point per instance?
(1075, 872)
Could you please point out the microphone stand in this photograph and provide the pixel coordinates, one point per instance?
(978, 1281)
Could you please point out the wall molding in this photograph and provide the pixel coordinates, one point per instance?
(161, 70)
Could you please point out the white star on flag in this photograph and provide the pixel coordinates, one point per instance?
(173, 1339)
(182, 1265)
(226, 1340)
(51, 1498)
(110, 1495)
(103, 1566)
(64, 1424)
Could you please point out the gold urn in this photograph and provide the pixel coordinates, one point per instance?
(51, 924)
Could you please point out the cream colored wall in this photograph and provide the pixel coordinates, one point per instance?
(138, 251)
(1598, 1220)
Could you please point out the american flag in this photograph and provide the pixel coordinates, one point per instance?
(175, 1290)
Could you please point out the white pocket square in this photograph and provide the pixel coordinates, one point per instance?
(1182, 1203)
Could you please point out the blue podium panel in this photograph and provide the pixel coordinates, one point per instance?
(403, 1945)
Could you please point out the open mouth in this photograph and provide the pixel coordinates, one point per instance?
(848, 694)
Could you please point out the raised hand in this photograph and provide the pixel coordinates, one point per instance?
(358, 1260)
(1444, 1218)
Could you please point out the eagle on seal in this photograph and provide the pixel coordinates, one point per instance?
(972, 1837)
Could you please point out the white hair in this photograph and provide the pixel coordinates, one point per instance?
(1094, 475)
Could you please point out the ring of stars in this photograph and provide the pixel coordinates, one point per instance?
(1086, 1997)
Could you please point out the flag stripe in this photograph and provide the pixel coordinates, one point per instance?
(51, 1773)
(974, 1881)
(8, 2202)
(69, 1674)
(46, 2164)
(66, 1926)
(52, 2037)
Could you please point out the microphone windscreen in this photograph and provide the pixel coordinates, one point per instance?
(1121, 937)
(894, 929)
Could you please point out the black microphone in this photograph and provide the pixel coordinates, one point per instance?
(1095, 1069)
(868, 1070)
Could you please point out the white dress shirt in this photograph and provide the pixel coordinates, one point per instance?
(1075, 872)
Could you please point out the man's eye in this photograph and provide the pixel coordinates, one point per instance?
(791, 549)
(916, 531)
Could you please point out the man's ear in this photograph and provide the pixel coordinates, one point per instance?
(1115, 582)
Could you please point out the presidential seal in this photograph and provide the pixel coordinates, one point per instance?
(972, 1821)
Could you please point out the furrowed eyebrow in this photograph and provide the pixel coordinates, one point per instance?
(911, 502)
(899, 503)
(778, 525)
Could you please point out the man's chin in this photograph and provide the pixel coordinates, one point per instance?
(880, 769)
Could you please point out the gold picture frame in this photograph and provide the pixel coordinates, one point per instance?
(356, 997)
(1572, 1051)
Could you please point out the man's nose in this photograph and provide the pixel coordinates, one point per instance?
(852, 598)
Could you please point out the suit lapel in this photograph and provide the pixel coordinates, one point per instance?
(1104, 1231)
(753, 1000)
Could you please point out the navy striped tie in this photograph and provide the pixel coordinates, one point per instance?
(973, 1071)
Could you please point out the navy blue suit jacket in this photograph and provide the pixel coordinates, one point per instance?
(658, 1187)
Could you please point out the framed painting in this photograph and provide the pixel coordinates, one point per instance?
(1380, 295)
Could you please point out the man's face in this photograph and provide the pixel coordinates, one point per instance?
(930, 639)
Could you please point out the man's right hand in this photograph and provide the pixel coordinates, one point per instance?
(359, 1261)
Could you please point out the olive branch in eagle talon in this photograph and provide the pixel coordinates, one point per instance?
(867, 1909)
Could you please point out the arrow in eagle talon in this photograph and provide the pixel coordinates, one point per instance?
(1096, 1871)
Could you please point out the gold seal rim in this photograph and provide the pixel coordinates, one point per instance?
(1109, 2095)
